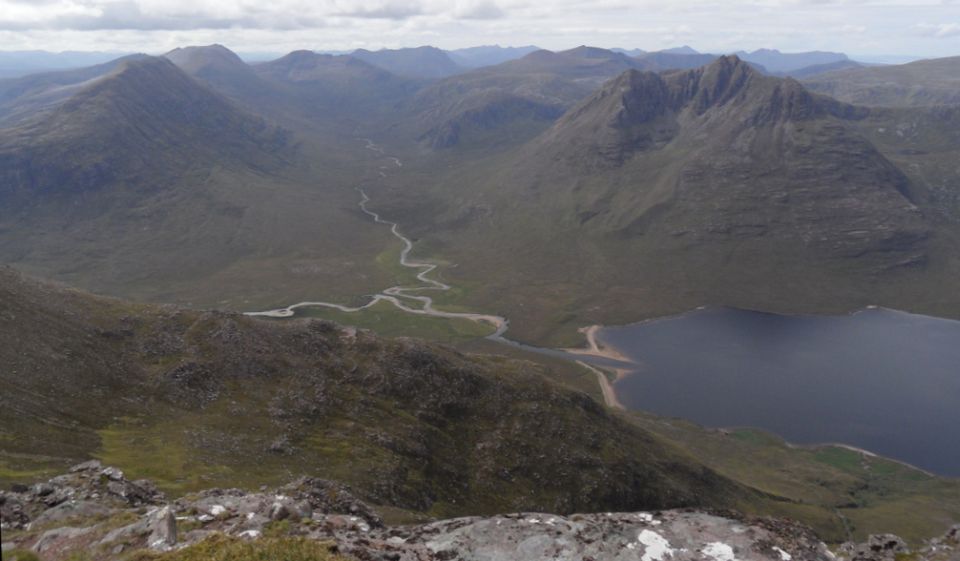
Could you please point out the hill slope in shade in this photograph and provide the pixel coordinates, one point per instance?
(920, 83)
(20, 98)
(420, 62)
(327, 87)
(489, 55)
(661, 193)
(221, 69)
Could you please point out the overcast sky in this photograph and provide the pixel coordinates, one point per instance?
(860, 27)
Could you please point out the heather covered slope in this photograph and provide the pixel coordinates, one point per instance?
(660, 193)
(194, 399)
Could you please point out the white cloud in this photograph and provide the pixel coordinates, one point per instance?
(938, 30)
(920, 27)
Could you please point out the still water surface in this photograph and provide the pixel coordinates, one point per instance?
(882, 380)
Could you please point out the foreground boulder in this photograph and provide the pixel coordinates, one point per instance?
(97, 511)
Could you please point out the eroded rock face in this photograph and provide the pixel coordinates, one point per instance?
(95, 509)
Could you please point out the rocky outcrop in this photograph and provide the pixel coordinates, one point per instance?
(674, 535)
(888, 547)
(88, 490)
(108, 516)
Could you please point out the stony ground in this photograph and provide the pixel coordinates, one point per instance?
(95, 510)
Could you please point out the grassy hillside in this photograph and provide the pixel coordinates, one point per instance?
(201, 399)
(840, 492)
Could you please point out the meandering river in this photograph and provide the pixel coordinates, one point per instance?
(407, 299)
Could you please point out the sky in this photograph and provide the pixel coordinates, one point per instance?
(918, 28)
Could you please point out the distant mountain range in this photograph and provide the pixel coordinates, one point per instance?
(775, 61)
(420, 62)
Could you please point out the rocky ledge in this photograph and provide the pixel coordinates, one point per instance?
(96, 510)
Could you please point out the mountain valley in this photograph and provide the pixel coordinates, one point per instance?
(432, 240)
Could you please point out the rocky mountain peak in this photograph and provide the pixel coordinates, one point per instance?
(720, 81)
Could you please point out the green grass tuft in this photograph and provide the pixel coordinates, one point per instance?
(221, 548)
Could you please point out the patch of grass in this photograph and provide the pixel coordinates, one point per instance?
(221, 548)
(277, 529)
(841, 458)
(385, 319)
(19, 555)
(21, 472)
(832, 489)
(148, 453)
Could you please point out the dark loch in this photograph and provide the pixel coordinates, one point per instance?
(882, 380)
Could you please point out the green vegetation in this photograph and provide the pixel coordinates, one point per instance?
(204, 399)
(221, 548)
(387, 320)
(19, 555)
(833, 489)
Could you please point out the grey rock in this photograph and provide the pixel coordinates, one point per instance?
(673, 535)
(284, 508)
(163, 529)
(12, 513)
(42, 489)
(158, 529)
(112, 473)
(73, 509)
(878, 547)
(91, 465)
(58, 538)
